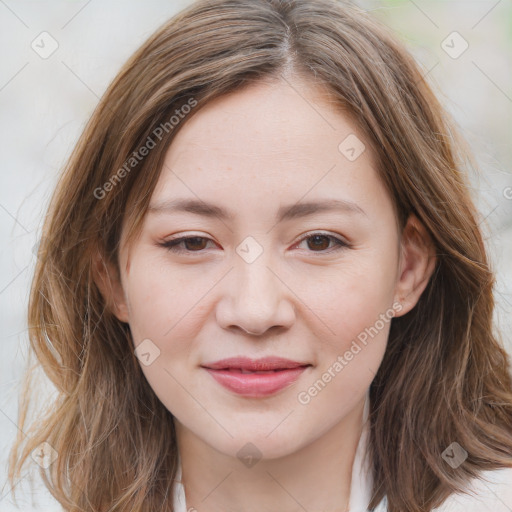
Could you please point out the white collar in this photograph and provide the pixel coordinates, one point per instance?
(361, 485)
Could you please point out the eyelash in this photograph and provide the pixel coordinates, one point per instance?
(173, 244)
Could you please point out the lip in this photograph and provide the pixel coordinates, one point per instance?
(279, 373)
(262, 364)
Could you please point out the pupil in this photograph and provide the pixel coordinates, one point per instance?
(191, 242)
(316, 237)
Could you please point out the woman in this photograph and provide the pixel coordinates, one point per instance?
(262, 285)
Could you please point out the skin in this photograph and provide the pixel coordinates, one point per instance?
(251, 152)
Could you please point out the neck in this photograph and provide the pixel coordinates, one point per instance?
(317, 476)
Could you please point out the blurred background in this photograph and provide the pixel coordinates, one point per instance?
(58, 58)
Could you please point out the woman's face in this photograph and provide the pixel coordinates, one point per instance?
(274, 268)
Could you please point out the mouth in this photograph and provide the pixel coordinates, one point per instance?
(256, 378)
(254, 372)
(265, 364)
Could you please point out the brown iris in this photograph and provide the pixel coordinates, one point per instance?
(195, 243)
(320, 246)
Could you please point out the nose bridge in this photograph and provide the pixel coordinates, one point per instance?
(256, 290)
(256, 298)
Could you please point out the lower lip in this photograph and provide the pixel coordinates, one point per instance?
(256, 384)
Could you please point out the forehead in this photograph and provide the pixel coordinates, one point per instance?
(281, 134)
(265, 123)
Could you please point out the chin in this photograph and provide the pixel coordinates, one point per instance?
(258, 444)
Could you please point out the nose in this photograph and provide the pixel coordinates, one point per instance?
(255, 299)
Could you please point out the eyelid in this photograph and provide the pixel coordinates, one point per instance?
(313, 232)
(172, 244)
(340, 243)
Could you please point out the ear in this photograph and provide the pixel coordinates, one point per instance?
(107, 279)
(417, 263)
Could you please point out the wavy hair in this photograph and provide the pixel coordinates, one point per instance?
(445, 375)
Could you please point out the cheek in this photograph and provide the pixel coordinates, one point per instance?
(354, 327)
(354, 343)
(349, 299)
(353, 310)
(164, 313)
(163, 301)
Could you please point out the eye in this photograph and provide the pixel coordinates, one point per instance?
(317, 242)
(192, 244)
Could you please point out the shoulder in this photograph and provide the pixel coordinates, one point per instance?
(490, 492)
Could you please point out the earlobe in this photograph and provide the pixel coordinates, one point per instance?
(417, 264)
(105, 277)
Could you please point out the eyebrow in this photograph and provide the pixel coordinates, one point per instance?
(287, 212)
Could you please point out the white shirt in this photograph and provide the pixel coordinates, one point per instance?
(492, 495)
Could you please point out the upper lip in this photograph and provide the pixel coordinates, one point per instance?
(245, 363)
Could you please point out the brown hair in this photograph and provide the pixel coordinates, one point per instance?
(444, 376)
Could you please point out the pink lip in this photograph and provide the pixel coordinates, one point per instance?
(279, 373)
